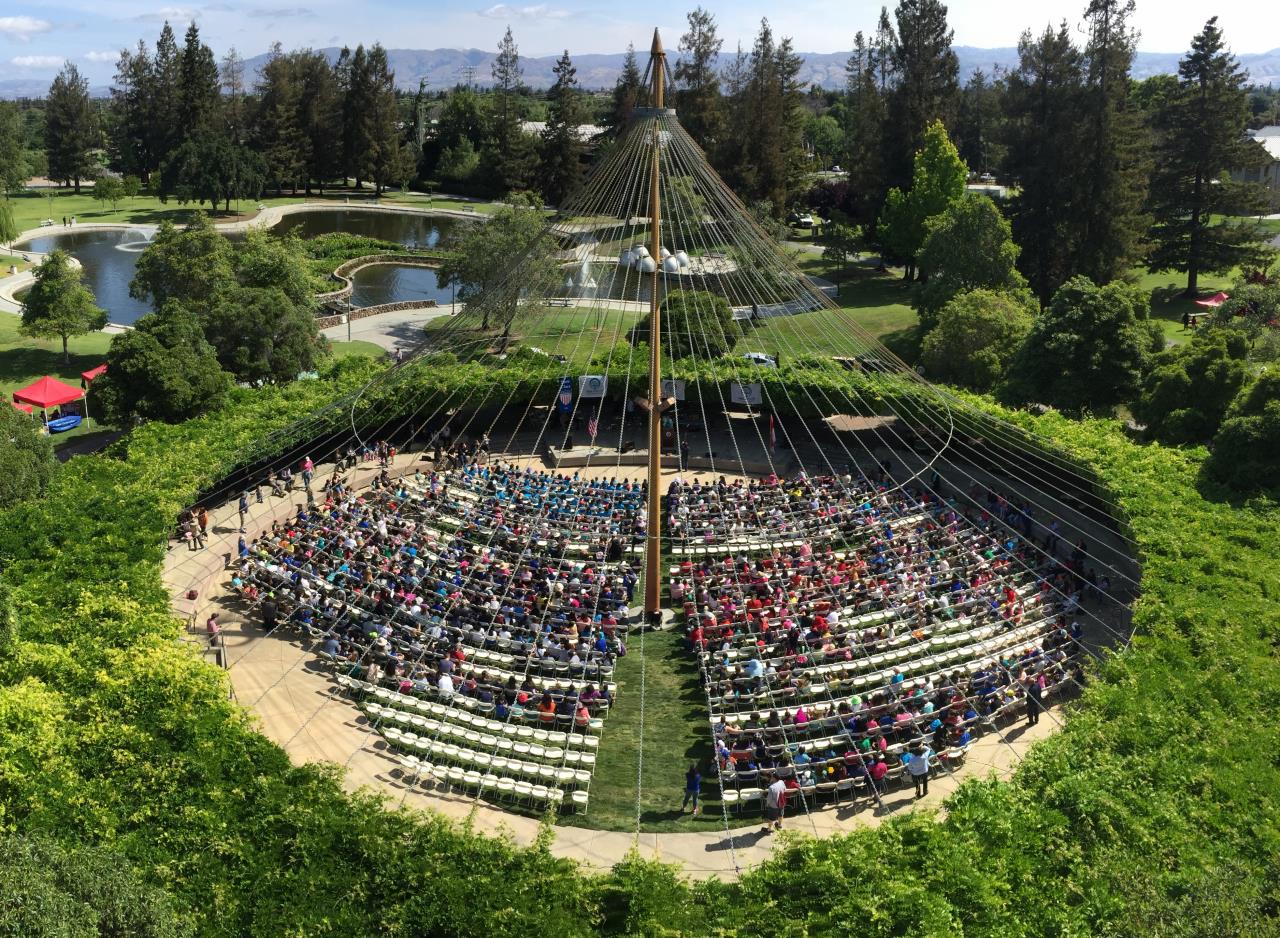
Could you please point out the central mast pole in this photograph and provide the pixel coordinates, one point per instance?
(653, 538)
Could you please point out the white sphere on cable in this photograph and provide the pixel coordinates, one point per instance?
(671, 265)
(648, 265)
(626, 258)
(640, 251)
(682, 258)
(664, 253)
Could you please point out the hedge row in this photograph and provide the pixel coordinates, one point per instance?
(1154, 812)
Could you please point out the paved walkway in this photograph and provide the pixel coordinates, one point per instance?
(298, 705)
(399, 329)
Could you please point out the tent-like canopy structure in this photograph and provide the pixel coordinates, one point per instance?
(25, 408)
(1213, 302)
(47, 392)
(93, 372)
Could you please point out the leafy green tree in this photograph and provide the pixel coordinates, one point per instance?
(561, 147)
(1087, 351)
(926, 73)
(188, 265)
(261, 336)
(483, 255)
(108, 189)
(937, 181)
(281, 139)
(51, 891)
(1246, 448)
(458, 164)
(58, 305)
(8, 226)
(130, 186)
(161, 369)
(978, 128)
(71, 128)
(1201, 138)
(697, 80)
(1188, 390)
(695, 324)
(462, 118)
(840, 241)
(1043, 137)
(27, 462)
(977, 334)
(268, 262)
(1253, 311)
(1115, 157)
(208, 167)
(969, 246)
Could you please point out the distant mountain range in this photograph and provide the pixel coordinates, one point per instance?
(444, 68)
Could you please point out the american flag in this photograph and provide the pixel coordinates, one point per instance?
(593, 426)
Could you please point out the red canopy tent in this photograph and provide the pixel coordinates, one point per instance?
(93, 372)
(47, 392)
(1213, 302)
(25, 408)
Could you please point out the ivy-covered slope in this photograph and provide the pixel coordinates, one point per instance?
(1154, 812)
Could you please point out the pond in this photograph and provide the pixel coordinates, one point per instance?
(110, 257)
(402, 227)
(393, 283)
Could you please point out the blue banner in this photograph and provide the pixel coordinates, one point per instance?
(565, 401)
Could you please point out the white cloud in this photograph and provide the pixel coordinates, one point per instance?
(22, 28)
(37, 61)
(172, 14)
(505, 11)
(102, 56)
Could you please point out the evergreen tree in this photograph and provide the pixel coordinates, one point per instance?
(1042, 136)
(561, 148)
(131, 107)
(285, 147)
(14, 168)
(730, 156)
(977, 129)
(353, 81)
(1201, 136)
(199, 94)
(1115, 156)
(319, 116)
(864, 116)
(770, 122)
(234, 105)
(70, 129)
(510, 157)
(626, 92)
(697, 92)
(381, 136)
(925, 71)
(163, 122)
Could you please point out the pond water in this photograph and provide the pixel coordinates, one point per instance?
(110, 258)
(404, 228)
(392, 283)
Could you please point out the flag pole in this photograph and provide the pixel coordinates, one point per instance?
(653, 533)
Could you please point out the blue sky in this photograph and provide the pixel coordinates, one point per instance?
(35, 37)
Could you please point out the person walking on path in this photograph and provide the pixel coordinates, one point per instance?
(203, 517)
(919, 767)
(244, 509)
(775, 805)
(692, 788)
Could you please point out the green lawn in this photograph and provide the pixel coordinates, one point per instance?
(1167, 302)
(359, 347)
(8, 260)
(676, 733)
(32, 207)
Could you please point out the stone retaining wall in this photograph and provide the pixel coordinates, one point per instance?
(328, 322)
(344, 271)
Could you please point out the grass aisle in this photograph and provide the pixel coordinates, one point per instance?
(676, 733)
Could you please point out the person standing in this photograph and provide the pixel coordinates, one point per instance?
(244, 509)
(203, 517)
(692, 788)
(919, 768)
(775, 805)
(684, 453)
(270, 613)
